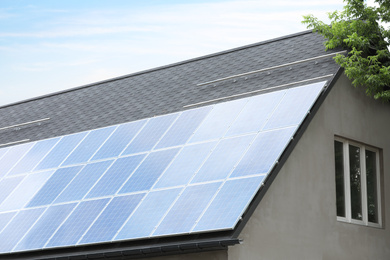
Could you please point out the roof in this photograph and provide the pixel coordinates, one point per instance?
(166, 89)
(176, 105)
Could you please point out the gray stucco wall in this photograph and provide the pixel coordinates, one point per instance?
(296, 218)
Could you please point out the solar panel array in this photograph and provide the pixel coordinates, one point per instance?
(186, 172)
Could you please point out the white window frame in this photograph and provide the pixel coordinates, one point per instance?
(347, 186)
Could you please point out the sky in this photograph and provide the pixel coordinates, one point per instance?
(48, 46)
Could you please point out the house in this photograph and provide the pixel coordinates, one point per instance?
(260, 152)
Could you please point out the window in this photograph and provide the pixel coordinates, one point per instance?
(357, 183)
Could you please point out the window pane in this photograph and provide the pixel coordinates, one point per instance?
(339, 165)
(372, 200)
(355, 181)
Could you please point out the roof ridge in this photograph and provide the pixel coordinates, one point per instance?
(159, 68)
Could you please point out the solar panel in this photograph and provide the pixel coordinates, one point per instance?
(181, 173)
(13, 155)
(118, 141)
(219, 119)
(148, 214)
(5, 218)
(53, 186)
(62, 150)
(186, 164)
(76, 225)
(222, 160)
(44, 228)
(8, 185)
(112, 218)
(23, 193)
(183, 215)
(33, 157)
(83, 182)
(18, 227)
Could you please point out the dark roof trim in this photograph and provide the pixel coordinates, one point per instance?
(126, 252)
(286, 154)
(159, 68)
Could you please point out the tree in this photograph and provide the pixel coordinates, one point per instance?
(359, 29)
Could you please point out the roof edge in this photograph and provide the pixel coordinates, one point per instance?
(159, 68)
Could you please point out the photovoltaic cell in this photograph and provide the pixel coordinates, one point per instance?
(148, 172)
(229, 204)
(112, 218)
(14, 154)
(60, 151)
(268, 146)
(44, 228)
(119, 140)
(53, 187)
(115, 176)
(255, 113)
(23, 193)
(185, 165)
(148, 214)
(222, 160)
(187, 209)
(77, 223)
(33, 156)
(219, 119)
(5, 218)
(7, 185)
(18, 227)
(150, 134)
(89, 145)
(83, 182)
(184, 127)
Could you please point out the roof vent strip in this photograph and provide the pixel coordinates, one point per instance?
(17, 126)
(272, 68)
(16, 142)
(257, 91)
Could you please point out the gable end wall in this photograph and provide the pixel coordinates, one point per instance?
(296, 219)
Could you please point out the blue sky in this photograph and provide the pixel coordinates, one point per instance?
(48, 46)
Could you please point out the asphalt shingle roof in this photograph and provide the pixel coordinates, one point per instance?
(166, 89)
